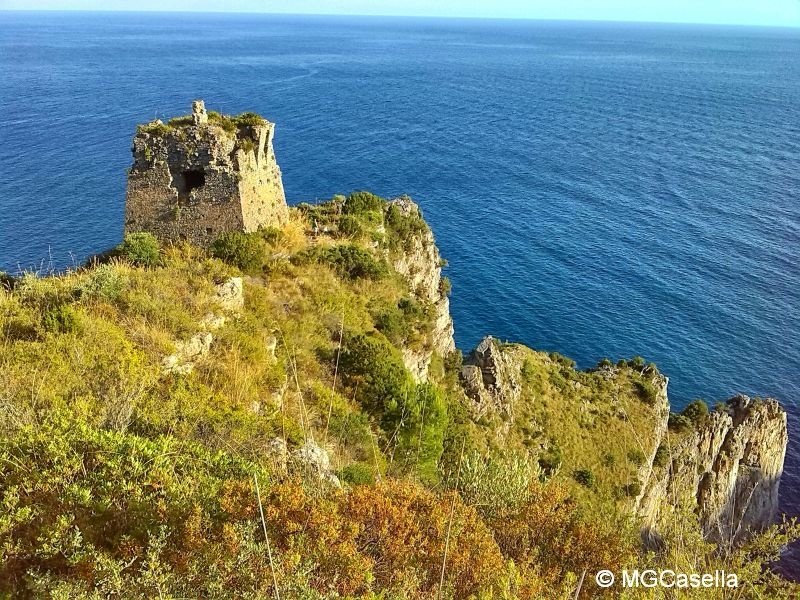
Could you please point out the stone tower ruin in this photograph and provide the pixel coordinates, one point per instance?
(204, 174)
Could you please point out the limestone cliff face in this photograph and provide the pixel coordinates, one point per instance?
(491, 379)
(194, 180)
(728, 471)
(421, 265)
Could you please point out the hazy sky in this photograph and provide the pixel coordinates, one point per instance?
(752, 12)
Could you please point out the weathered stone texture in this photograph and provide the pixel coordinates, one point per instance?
(421, 266)
(728, 471)
(491, 378)
(195, 181)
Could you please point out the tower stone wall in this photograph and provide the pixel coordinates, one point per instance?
(196, 177)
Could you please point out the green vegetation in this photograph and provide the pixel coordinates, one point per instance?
(141, 249)
(121, 479)
(156, 128)
(693, 416)
(697, 412)
(241, 250)
(347, 260)
(230, 124)
(361, 203)
(585, 477)
(403, 227)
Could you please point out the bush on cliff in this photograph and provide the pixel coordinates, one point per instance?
(647, 391)
(348, 260)
(7, 281)
(697, 412)
(118, 479)
(92, 511)
(403, 227)
(140, 249)
(413, 417)
(242, 250)
(585, 477)
(359, 203)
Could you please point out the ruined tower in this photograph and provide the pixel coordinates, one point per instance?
(200, 175)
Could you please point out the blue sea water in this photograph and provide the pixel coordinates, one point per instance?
(599, 189)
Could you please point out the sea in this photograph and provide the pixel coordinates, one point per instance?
(599, 189)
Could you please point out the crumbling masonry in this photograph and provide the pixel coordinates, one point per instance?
(198, 176)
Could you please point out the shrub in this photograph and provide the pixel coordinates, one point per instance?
(496, 484)
(249, 119)
(563, 361)
(393, 324)
(156, 128)
(632, 490)
(242, 250)
(359, 203)
(696, 412)
(348, 260)
(413, 417)
(549, 537)
(399, 323)
(722, 407)
(422, 425)
(403, 227)
(679, 423)
(585, 477)
(636, 456)
(637, 362)
(404, 529)
(358, 474)
(61, 319)
(223, 121)
(247, 145)
(272, 235)
(97, 500)
(7, 281)
(453, 361)
(608, 460)
(350, 226)
(661, 457)
(104, 281)
(445, 287)
(141, 249)
(374, 368)
(646, 391)
(182, 121)
(551, 460)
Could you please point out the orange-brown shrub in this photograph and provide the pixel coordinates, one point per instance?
(548, 537)
(403, 529)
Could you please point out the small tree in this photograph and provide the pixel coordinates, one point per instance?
(141, 249)
(585, 477)
(241, 250)
(696, 412)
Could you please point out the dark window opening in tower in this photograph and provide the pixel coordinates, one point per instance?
(193, 180)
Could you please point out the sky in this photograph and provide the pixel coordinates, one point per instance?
(743, 12)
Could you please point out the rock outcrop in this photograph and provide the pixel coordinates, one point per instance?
(726, 468)
(491, 379)
(199, 176)
(421, 265)
(728, 471)
(229, 298)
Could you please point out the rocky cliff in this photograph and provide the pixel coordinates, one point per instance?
(421, 265)
(727, 470)
(725, 467)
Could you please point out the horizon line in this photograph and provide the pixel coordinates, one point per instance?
(397, 16)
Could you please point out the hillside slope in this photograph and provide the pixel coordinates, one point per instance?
(144, 396)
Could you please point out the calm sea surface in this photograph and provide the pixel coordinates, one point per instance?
(599, 189)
